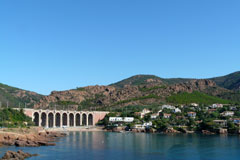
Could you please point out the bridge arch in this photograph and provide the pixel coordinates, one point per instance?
(78, 118)
(64, 119)
(90, 119)
(58, 120)
(84, 119)
(50, 120)
(36, 118)
(44, 119)
(71, 119)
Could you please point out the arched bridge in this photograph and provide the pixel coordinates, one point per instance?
(62, 118)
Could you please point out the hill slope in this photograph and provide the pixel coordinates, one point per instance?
(152, 93)
(231, 81)
(15, 96)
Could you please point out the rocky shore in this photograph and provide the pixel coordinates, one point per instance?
(19, 155)
(169, 130)
(29, 138)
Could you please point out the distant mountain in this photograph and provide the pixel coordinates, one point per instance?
(15, 96)
(231, 81)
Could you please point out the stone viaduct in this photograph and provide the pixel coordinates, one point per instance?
(62, 118)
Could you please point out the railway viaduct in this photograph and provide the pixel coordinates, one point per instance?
(62, 118)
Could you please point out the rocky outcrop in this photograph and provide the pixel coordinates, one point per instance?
(193, 85)
(30, 140)
(171, 130)
(206, 132)
(118, 129)
(19, 155)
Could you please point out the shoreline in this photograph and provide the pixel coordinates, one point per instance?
(101, 129)
(76, 129)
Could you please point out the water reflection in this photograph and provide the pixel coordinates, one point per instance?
(154, 145)
(119, 146)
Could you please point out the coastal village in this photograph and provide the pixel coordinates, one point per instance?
(193, 118)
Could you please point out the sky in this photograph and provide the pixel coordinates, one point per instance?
(48, 45)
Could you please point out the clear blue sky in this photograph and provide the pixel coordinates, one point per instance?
(50, 45)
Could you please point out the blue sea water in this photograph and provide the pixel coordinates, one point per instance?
(131, 146)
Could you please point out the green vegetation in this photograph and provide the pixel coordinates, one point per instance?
(233, 96)
(204, 120)
(231, 81)
(135, 80)
(66, 103)
(8, 95)
(152, 88)
(171, 81)
(138, 98)
(141, 79)
(195, 97)
(14, 118)
(80, 88)
(91, 102)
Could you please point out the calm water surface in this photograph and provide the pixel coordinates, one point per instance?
(124, 146)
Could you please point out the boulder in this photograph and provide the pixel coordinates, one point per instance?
(171, 130)
(207, 132)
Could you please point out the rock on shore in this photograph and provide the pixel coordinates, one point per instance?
(19, 155)
(37, 139)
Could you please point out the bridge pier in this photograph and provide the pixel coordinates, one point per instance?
(54, 120)
(74, 120)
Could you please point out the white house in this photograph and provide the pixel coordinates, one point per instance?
(143, 126)
(143, 113)
(154, 115)
(115, 119)
(216, 106)
(192, 114)
(166, 115)
(177, 110)
(168, 107)
(121, 119)
(228, 113)
(128, 119)
(147, 124)
(194, 104)
(233, 108)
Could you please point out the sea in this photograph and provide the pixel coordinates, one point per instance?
(137, 146)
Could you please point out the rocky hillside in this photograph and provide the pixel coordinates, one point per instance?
(15, 96)
(150, 93)
(137, 90)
